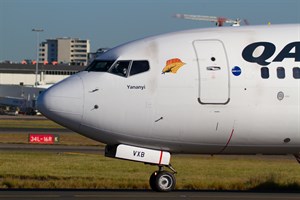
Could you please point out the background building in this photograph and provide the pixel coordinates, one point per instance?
(17, 90)
(18, 93)
(16, 74)
(72, 51)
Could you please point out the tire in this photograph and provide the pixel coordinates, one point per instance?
(165, 181)
(152, 181)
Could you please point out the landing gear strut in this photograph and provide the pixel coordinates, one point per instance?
(163, 181)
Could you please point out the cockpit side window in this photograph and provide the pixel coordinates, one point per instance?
(139, 67)
(100, 65)
(121, 68)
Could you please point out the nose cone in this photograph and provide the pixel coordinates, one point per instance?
(63, 102)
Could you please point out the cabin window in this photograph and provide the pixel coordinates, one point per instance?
(280, 72)
(265, 72)
(139, 67)
(100, 66)
(120, 68)
(296, 72)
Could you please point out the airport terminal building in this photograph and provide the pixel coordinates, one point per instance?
(18, 74)
(17, 90)
(17, 81)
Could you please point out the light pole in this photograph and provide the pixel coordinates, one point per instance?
(37, 54)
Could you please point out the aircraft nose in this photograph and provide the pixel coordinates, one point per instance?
(63, 102)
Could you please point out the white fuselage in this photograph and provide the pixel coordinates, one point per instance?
(215, 102)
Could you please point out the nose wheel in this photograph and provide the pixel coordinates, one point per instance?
(162, 181)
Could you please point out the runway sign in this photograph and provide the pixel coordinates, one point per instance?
(43, 138)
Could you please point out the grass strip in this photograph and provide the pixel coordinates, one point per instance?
(20, 123)
(90, 171)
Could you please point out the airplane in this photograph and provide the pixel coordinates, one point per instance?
(219, 21)
(216, 91)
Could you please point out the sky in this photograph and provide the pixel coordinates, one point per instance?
(108, 23)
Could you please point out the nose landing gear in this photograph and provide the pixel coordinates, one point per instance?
(163, 181)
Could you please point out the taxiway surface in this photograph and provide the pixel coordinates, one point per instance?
(132, 195)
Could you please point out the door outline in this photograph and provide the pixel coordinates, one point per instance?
(199, 73)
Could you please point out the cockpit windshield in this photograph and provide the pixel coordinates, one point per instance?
(124, 68)
(100, 65)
